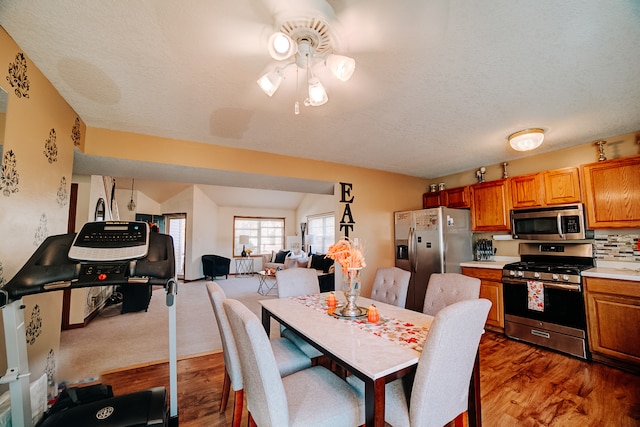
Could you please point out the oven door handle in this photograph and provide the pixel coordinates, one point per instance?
(562, 286)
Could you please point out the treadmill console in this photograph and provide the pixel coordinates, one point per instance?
(111, 241)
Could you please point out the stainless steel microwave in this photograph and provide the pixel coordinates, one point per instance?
(562, 222)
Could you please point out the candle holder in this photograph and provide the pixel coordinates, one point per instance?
(504, 170)
(480, 174)
(601, 144)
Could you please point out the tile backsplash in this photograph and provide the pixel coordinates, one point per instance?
(617, 246)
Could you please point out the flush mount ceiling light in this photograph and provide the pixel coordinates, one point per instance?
(527, 139)
(305, 43)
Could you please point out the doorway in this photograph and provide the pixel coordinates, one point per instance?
(176, 227)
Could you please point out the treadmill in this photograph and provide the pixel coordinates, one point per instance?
(106, 253)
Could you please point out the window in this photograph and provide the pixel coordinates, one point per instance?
(265, 234)
(177, 227)
(322, 229)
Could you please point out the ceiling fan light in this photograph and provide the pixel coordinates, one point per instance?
(317, 93)
(281, 46)
(341, 66)
(527, 139)
(270, 81)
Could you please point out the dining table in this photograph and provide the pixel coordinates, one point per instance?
(376, 352)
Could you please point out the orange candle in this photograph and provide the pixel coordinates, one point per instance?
(331, 300)
(372, 315)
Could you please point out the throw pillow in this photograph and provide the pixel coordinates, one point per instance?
(318, 262)
(281, 256)
(328, 263)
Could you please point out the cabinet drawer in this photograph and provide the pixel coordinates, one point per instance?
(483, 273)
(613, 286)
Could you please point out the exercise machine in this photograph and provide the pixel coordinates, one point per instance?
(109, 253)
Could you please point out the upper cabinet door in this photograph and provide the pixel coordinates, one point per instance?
(527, 190)
(490, 206)
(611, 193)
(561, 186)
(458, 197)
(431, 200)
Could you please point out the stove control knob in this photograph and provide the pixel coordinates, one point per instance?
(555, 277)
(565, 277)
(520, 273)
(536, 275)
(512, 273)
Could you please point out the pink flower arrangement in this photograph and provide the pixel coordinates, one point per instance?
(348, 253)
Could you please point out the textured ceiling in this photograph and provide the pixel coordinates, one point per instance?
(438, 84)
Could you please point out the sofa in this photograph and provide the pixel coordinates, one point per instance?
(285, 259)
(215, 265)
(276, 260)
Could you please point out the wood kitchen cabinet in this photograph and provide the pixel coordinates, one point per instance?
(490, 205)
(491, 289)
(459, 197)
(527, 190)
(613, 320)
(431, 200)
(611, 193)
(561, 186)
(554, 187)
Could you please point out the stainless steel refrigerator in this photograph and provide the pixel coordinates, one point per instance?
(431, 241)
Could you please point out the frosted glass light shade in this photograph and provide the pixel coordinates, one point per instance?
(317, 93)
(526, 140)
(270, 81)
(341, 66)
(281, 46)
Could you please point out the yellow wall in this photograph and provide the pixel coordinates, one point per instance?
(40, 206)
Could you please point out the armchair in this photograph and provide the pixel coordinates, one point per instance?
(215, 265)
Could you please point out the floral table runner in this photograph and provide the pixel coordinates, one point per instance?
(404, 333)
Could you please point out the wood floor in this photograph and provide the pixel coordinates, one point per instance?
(521, 385)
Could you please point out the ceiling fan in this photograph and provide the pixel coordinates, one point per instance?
(309, 34)
(303, 38)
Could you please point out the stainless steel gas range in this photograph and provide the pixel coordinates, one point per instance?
(543, 296)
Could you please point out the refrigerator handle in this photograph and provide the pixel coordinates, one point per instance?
(413, 250)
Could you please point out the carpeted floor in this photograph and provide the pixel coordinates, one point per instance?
(113, 340)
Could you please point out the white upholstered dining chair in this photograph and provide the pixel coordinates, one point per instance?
(445, 289)
(390, 285)
(311, 397)
(289, 358)
(440, 388)
(295, 282)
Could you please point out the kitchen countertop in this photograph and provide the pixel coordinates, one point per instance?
(615, 270)
(497, 263)
(605, 269)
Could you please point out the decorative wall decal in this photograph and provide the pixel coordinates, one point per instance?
(9, 176)
(346, 222)
(75, 133)
(62, 195)
(41, 232)
(34, 328)
(51, 148)
(1, 276)
(17, 77)
(50, 368)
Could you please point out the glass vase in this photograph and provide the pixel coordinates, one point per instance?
(351, 289)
